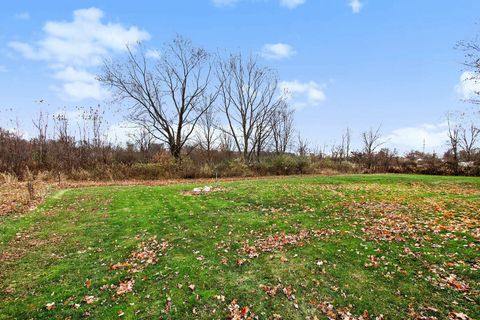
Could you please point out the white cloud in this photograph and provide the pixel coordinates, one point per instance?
(153, 54)
(224, 3)
(469, 86)
(434, 137)
(22, 16)
(356, 5)
(70, 48)
(79, 84)
(79, 90)
(291, 4)
(277, 51)
(302, 94)
(120, 133)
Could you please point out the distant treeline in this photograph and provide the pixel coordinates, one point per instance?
(199, 114)
(68, 158)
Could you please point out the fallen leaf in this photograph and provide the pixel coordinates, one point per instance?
(50, 306)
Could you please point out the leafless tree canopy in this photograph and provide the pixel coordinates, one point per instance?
(453, 141)
(142, 139)
(372, 139)
(468, 138)
(282, 128)
(168, 97)
(249, 97)
(341, 151)
(207, 133)
(302, 145)
(41, 126)
(471, 50)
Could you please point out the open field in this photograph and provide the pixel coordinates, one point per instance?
(388, 246)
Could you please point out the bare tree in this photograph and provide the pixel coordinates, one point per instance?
(167, 98)
(471, 51)
(336, 151)
(226, 143)
(346, 142)
(372, 140)
(91, 128)
(61, 126)
(142, 139)
(96, 119)
(207, 132)
(65, 140)
(302, 146)
(342, 150)
(248, 94)
(453, 134)
(468, 139)
(41, 125)
(281, 123)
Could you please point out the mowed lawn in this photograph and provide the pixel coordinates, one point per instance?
(391, 246)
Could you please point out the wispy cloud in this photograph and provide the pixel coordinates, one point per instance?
(72, 48)
(291, 4)
(3, 68)
(302, 94)
(224, 3)
(469, 85)
(22, 16)
(432, 136)
(356, 6)
(153, 54)
(277, 51)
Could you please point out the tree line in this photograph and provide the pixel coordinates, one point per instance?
(189, 93)
(216, 115)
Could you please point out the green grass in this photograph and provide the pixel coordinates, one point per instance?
(48, 254)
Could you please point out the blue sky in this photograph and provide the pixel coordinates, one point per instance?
(356, 63)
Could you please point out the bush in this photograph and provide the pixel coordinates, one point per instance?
(235, 168)
(284, 165)
(206, 171)
(329, 166)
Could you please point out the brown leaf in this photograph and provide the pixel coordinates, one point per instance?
(89, 299)
(168, 305)
(50, 306)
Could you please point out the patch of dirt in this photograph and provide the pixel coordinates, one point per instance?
(15, 198)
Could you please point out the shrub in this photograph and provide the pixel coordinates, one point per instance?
(206, 171)
(284, 165)
(330, 166)
(235, 168)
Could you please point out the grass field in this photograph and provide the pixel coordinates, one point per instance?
(392, 247)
